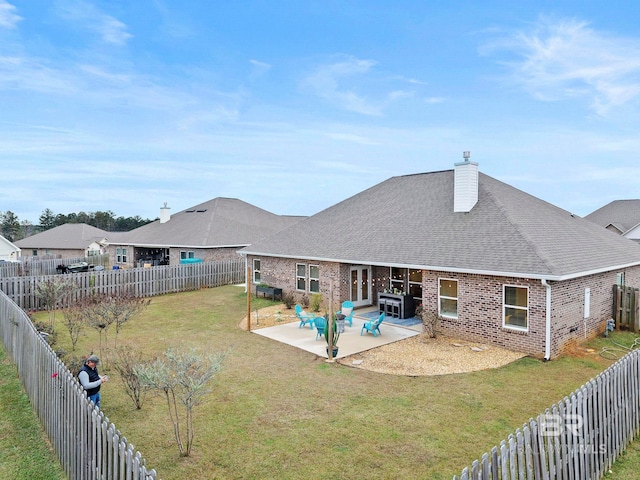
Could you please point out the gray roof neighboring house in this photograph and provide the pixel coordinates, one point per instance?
(72, 236)
(409, 221)
(220, 222)
(623, 215)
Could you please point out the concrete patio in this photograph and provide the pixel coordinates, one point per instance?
(350, 341)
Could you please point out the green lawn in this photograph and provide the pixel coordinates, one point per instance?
(280, 412)
(24, 451)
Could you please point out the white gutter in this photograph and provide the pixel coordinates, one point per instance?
(547, 340)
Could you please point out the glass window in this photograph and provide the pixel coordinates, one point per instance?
(301, 278)
(183, 255)
(620, 279)
(121, 255)
(516, 307)
(415, 285)
(256, 270)
(34, 253)
(190, 255)
(314, 278)
(448, 298)
(397, 276)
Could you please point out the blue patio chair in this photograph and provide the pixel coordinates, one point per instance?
(304, 317)
(320, 323)
(347, 311)
(373, 326)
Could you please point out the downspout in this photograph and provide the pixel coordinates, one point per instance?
(547, 340)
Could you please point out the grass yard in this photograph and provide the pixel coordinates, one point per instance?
(280, 412)
(24, 451)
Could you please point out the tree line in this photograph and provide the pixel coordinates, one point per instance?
(12, 228)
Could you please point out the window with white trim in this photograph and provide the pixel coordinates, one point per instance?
(314, 278)
(256, 270)
(121, 255)
(515, 307)
(184, 255)
(301, 277)
(448, 298)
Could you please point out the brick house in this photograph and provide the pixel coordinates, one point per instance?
(211, 231)
(70, 240)
(496, 264)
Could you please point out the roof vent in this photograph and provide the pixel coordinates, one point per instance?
(465, 189)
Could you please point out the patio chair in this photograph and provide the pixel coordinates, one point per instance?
(347, 311)
(304, 317)
(320, 323)
(373, 326)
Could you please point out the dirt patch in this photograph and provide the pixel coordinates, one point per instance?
(415, 356)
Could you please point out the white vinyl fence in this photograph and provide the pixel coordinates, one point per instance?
(578, 438)
(88, 446)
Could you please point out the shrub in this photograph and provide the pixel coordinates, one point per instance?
(430, 320)
(289, 299)
(316, 302)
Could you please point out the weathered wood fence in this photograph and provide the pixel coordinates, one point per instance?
(578, 438)
(88, 446)
(27, 266)
(143, 282)
(625, 308)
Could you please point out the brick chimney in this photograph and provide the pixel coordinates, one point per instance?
(465, 190)
(165, 213)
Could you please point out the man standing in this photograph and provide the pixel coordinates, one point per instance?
(91, 380)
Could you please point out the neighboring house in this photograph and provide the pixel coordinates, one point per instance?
(498, 265)
(619, 216)
(211, 231)
(70, 240)
(9, 252)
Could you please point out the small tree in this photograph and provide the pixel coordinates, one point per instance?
(128, 358)
(184, 378)
(115, 310)
(76, 317)
(53, 293)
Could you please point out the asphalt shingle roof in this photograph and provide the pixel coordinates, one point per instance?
(76, 236)
(220, 222)
(622, 214)
(409, 221)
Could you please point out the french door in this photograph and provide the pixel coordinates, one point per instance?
(360, 286)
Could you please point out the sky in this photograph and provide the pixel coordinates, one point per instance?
(294, 106)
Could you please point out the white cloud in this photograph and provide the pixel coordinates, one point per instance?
(560, 59)
(8, 17)
(326, 83)
(87, 16)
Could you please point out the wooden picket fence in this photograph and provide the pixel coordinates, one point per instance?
(626, 307)
(87, 445)
(33, 266)
(578, 438)
(142, 282)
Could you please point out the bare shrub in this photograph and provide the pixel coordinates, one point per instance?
(430, 321)
(128, 358)
(53, 294)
